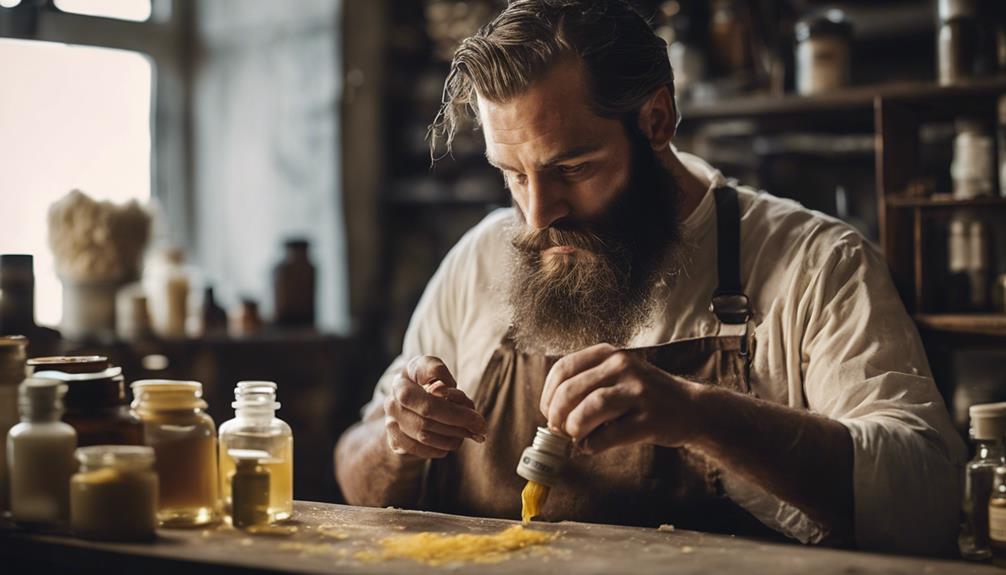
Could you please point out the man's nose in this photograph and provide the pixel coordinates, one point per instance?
(545, 203)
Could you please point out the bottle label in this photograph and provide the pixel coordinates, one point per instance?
(997, 523)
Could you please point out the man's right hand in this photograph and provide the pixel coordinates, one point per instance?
(426, 415)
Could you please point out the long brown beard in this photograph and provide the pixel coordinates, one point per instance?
(601, 292)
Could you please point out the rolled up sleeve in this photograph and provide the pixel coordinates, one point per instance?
(865, 366)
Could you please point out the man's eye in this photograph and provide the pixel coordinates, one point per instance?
(519, 179)
(572, 170)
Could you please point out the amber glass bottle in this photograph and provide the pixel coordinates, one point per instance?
(96, 407)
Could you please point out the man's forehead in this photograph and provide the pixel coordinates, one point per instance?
(553, 111)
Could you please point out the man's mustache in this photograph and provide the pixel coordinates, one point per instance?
(571, 234)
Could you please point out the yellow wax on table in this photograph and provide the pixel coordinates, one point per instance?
(439, 548)
(532, 499)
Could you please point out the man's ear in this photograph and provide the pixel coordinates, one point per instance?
(658, 119)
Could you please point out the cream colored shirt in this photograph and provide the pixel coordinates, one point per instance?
(832, 336)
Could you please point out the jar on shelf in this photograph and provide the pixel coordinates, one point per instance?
(113, 495)
(972, 169)
(183, 437)
(294, 286)
(12, 372)
(823, 52)
(96, 407)
(255, 427)
(957, 47)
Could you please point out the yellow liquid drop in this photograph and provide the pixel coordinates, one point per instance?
(440, 548)
(532, 498)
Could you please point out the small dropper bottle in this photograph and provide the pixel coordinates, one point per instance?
(540, 464)
(249, 488)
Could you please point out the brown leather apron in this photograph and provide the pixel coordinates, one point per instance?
(637, 484)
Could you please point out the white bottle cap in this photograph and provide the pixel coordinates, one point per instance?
(988, 420)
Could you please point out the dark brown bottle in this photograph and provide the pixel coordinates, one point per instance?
(293, 285)
(97, 408)
(17, 304)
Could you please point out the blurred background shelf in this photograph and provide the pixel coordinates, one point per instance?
(969, 324)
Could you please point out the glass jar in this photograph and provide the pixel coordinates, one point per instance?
(997, 517)
(250, 488)
(185, 446)
(988, 422)
(12, 354)
(96, 407)
(256, 427)
(113, 496)
(822, 52)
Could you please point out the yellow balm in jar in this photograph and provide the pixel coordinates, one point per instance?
(113, 497)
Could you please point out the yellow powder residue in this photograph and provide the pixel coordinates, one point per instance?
(439, 548)
(532, 498)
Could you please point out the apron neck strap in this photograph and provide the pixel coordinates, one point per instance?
(729, 302)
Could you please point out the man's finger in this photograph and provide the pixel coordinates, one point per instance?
(571, 392)
(600, 406)
(413, 424)
(623, 431)
(426, 369)
(402, 444)
(569, 366)
(417, 399)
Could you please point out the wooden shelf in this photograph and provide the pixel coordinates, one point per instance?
(849, 100)
(975, 324)
(946, 202)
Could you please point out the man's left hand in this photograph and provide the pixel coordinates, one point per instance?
(604, 397)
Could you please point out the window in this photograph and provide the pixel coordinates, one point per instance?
(78, 117)
(134, 10)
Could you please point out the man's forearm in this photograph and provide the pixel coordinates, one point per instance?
(369, 473)
(802, 458)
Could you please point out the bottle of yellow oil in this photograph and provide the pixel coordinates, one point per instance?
(540, 464)
(256, 427)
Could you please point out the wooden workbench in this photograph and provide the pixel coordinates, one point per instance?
(328, 537)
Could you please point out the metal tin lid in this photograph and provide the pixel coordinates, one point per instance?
(988, 420)
(831, 22)
(68, 363)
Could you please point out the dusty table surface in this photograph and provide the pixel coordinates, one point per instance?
(328, 537)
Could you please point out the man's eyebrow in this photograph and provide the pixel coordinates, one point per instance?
(581, 150)
(569, 154)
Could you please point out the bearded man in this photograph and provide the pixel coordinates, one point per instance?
(723, 359)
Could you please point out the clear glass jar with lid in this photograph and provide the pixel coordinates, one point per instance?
(256, 427)
(113, 496)
(988, 423)
(183, 436)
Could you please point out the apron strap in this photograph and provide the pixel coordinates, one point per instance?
(729, 302)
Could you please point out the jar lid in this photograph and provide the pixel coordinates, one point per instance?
(167, 394)
(40, 395)
(16, 261)
(116, 456)
(988, 420)
(831, 22)
(68, 363)
(13, 341)
(86, 390)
